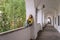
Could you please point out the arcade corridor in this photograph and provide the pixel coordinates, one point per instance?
(16, 15)
(48, 33)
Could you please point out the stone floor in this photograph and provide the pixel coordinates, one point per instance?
(48, 33)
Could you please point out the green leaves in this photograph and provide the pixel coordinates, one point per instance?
(14, 14)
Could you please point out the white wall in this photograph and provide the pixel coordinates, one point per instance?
(57, 27)
(40, 19)
(56, 15)
(31, 9)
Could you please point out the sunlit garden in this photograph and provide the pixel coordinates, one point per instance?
(12, 14)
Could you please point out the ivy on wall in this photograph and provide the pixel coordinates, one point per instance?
(12, 14)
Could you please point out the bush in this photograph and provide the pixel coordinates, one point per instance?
(13, 14)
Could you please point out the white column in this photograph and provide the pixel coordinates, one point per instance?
(30, 9)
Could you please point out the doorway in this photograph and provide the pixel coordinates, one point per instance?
(49, 20)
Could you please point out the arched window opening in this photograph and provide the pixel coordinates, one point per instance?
(12, 14)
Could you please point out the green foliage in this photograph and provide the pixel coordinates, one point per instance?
(13, 15)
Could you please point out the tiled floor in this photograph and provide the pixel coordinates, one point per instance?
(49, 33)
